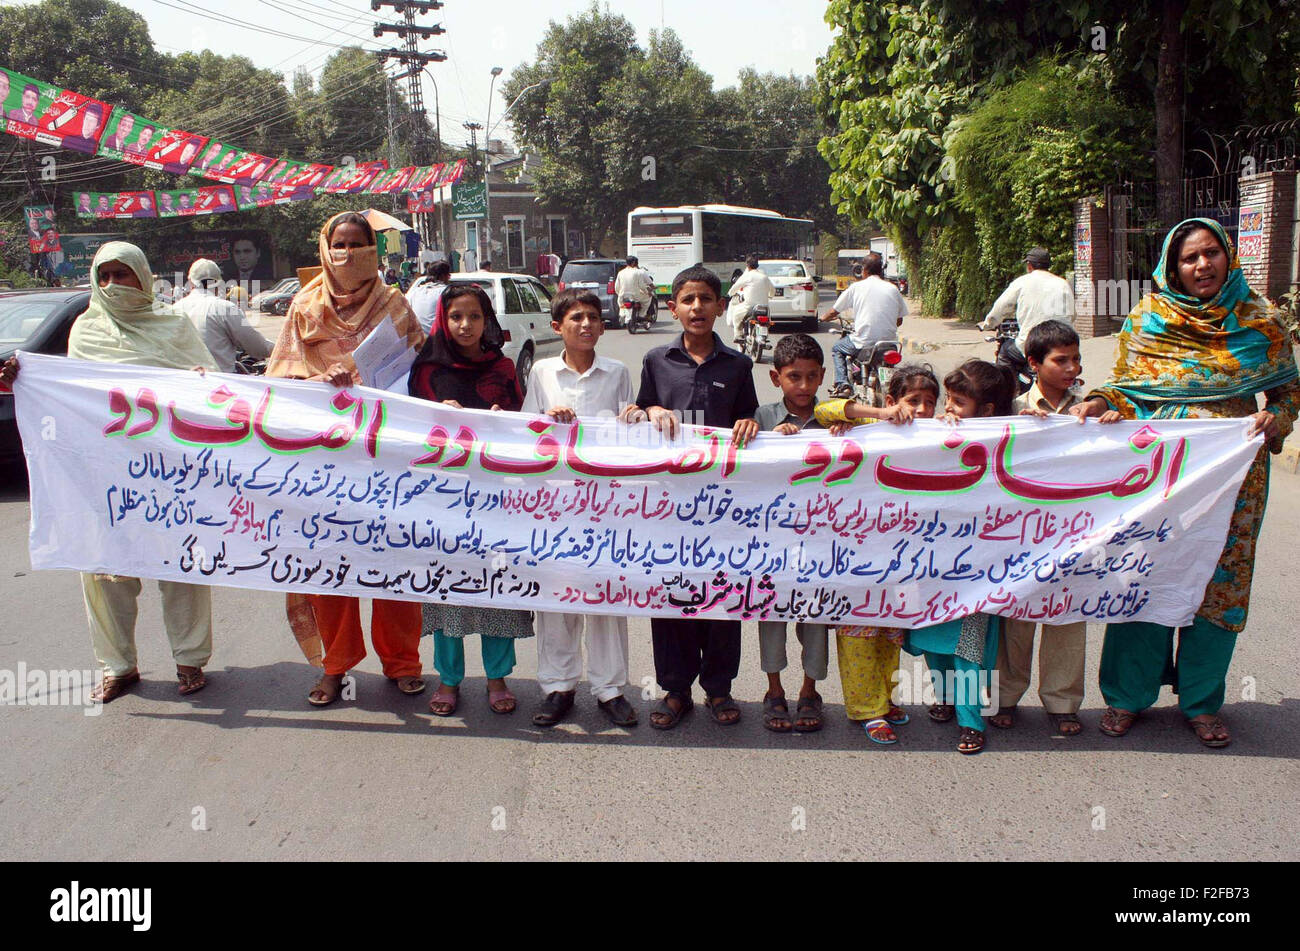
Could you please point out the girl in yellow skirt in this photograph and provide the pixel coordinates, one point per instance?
(868, 656)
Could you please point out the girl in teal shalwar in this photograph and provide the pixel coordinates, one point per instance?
(961, 654)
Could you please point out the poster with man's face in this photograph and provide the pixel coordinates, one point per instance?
(50, 115)
(248, 258)
(42, 234)
(208, 200)
(174, 151)
(251, 197)
(350, 179)
(230, 164)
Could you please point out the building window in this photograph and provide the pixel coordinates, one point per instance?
(556, 231)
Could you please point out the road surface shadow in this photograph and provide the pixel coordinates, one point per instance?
(276, 696)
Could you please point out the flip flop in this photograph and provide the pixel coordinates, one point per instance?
(897, 716)
(1116, 722)
(113, 686)
(942, 712)
(879, 731)
(326, 696)
(1059, 718)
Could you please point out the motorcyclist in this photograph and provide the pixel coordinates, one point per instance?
(1033, 297)
(634, 282)
(753, 289)
(878, 309)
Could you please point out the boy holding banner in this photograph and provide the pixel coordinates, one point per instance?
(699, 378)
(580, 384)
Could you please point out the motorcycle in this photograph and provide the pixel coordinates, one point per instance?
(754, 332)
(246, 364)
(870, 370)
(635, 316)
(1007, 354)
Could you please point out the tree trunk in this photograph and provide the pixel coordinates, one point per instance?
(1169, 115)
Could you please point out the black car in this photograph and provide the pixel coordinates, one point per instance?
(277, 301)
(595, 275)
(37, 321)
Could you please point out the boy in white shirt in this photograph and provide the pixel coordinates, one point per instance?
(579, 383)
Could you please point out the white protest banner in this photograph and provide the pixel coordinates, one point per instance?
(289, 486)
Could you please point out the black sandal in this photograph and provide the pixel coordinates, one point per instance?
(674, 716)
(720, 705)
(813, 706)
(973, 739)
(775, 713)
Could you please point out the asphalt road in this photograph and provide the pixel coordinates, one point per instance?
(247, 769)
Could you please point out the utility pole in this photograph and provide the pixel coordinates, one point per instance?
(414, 61)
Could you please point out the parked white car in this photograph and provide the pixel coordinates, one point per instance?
(523, 306)
(794, 294)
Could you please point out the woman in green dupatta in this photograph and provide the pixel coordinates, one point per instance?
(124, 323)
(1202, 347)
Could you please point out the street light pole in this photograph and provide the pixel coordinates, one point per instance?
(487, 169)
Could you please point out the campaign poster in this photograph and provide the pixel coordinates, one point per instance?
(206, 200)
(231, 164)
(128, 137)
(451, 173)
(350, 179)
(175, 151)
(252, 197)
(244, 256)
(282, 195)
(50, 115)
(393, 180)
(116, 204)
(287, 173)
(42, 232)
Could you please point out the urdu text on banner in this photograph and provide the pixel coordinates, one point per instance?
(291, 486)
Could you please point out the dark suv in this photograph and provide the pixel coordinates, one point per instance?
(595, 275)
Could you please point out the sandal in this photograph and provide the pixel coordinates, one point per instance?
(1212, 732)
(813, 706)
(971, 742)
(191, 679)
(322, 695)
(1064, 721)
(502, 701)
(112, 686)
(942, 712)
(720, 705)
(664, 709)
(444, 701)
(408, 685)
(1005, 718)
(1115, 722)
(879, 731)
(776, 714)
(897, 716)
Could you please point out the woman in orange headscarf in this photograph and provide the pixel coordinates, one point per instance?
(328, 318)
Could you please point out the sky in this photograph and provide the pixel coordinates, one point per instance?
(723, 37)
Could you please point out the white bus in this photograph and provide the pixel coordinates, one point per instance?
(666, 241)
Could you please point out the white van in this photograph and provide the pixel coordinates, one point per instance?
(523, 306)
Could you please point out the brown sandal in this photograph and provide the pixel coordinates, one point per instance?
(409, 685)
(322, 695)
(1005, 718)
(111, 686)
(191, 679)
(1062, 720)
(942, 712)
(1205, 731)
(1115, 722)
(971, 742)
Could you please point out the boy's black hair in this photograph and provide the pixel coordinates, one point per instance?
(912, 376)
(632, 261)
(698, 273)
(1047, 336)
(984, 382)
(440, 271)
(751, 262)
(794, 347)
(569, 298)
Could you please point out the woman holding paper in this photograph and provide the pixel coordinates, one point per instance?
(326, 322)
(126, 324)
(1202, 346)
